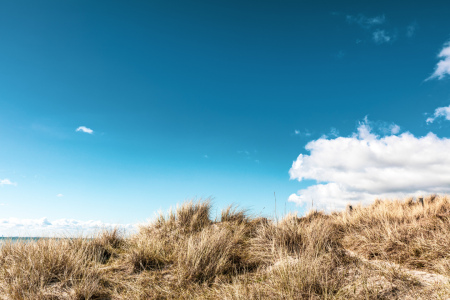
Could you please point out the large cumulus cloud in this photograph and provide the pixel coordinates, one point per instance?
(366, 166)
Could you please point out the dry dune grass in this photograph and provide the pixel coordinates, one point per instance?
(48, 269)
(185, 255)
(405, 232)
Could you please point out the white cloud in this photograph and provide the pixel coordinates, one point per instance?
(365, 166)
(440, 112)
(85, 129)
(380, 37)
(6, 181)
(365, 22)
(60, 195)
(443, 66)
(62, 228)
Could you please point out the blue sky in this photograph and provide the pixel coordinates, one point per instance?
(196, 99)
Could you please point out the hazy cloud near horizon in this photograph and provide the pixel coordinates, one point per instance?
(6, 181)
(58, 228)
(366, 166)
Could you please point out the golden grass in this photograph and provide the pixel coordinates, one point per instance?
(185, 255)
(404, 232)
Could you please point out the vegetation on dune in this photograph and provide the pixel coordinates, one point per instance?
(406, 232)
(185, 255)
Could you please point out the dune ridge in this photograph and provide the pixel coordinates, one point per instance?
(390, 249)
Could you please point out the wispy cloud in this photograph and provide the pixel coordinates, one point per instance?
(249, 155)
(378, 28)
(85, 129)
(365, 22)
(60, 195)
(304, 133)
(443, 66)
(63, 227)
(334, 132)
(440, 112)
(381, 127)
(366, 166)
(380, 37)
(6, 181)
(340, 54)
(394, 128)
(411, 29)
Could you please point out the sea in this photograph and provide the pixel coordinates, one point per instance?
(15, 239)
